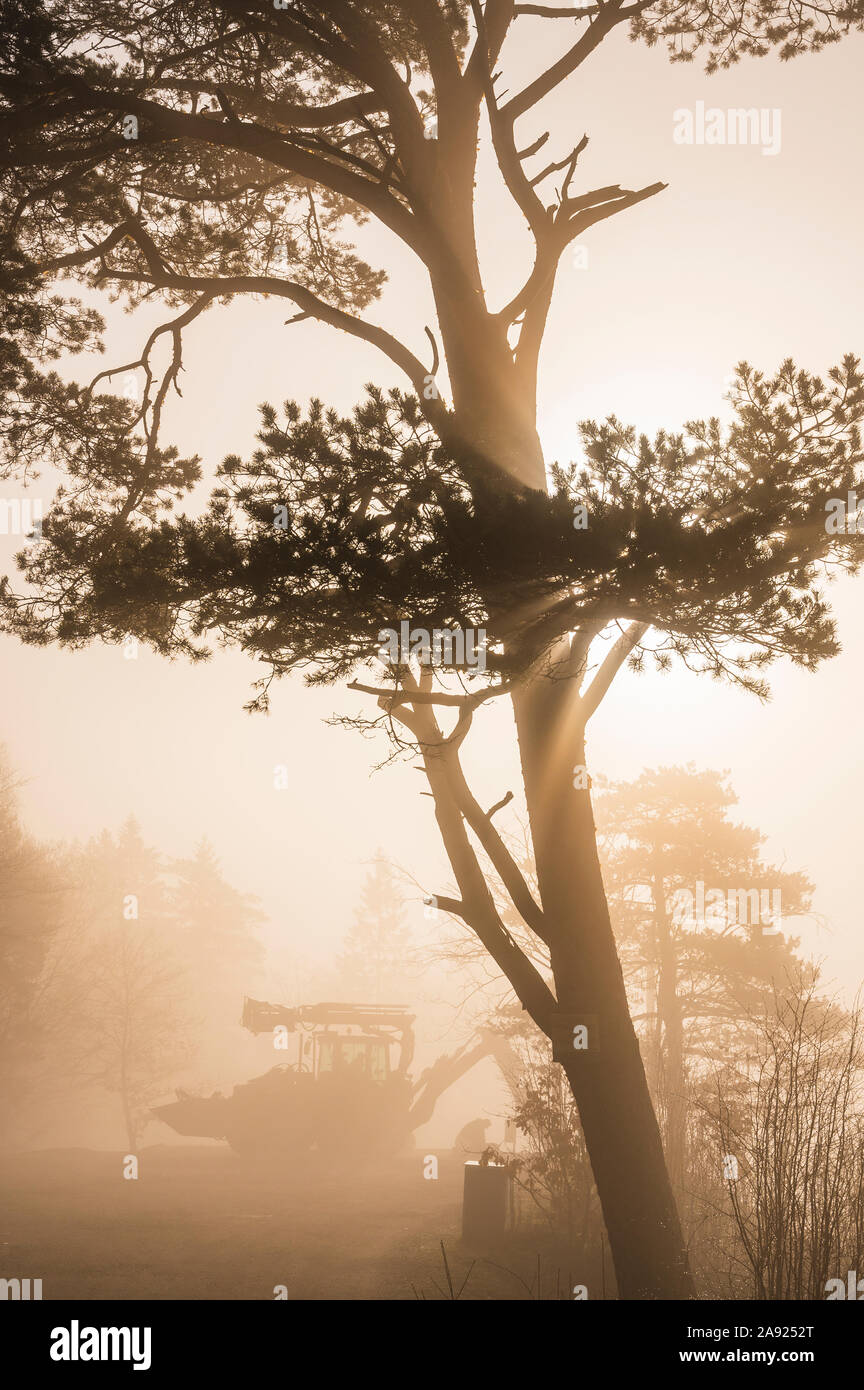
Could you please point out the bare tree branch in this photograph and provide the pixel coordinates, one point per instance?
(268, 145)
(286, 113)
(309, 303)
(478, 905)
(609, 668)
(602, 23)
(503, 137)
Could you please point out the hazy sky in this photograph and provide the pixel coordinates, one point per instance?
(744, 255)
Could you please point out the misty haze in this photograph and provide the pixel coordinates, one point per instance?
(430, 487)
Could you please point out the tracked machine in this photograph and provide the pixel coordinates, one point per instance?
(347, 1091)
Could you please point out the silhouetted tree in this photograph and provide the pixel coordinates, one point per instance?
(113, 171)
(123, 1013)
(32, 906)
(215, 931)
(700, 971)
(139, 1023)
(551, 1164)
(375, 959)
(790, 1118)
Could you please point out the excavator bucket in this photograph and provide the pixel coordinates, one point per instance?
(195, 1115)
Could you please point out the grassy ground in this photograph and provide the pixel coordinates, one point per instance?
(200, 1224)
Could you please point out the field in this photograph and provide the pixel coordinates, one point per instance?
(199, 1224)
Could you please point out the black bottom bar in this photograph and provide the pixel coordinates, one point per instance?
(238, 1341)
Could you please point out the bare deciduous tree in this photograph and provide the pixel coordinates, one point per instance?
(790, 1118)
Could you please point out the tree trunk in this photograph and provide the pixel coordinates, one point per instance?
(494, 410)
(673, 1079)
(128, 1115)
(496, 414)
(607, 1078)
(496, 420)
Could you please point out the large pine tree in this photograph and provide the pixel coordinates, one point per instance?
(188, 153)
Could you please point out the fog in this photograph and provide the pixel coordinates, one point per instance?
(326, 858)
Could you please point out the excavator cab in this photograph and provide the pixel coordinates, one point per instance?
(346, 1039)
(352, 1055)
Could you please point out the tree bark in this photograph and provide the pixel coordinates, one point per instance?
(128, 1113)
(607, 1078)
(495, 411)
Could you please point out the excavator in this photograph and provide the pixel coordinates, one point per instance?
(348, 1093)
